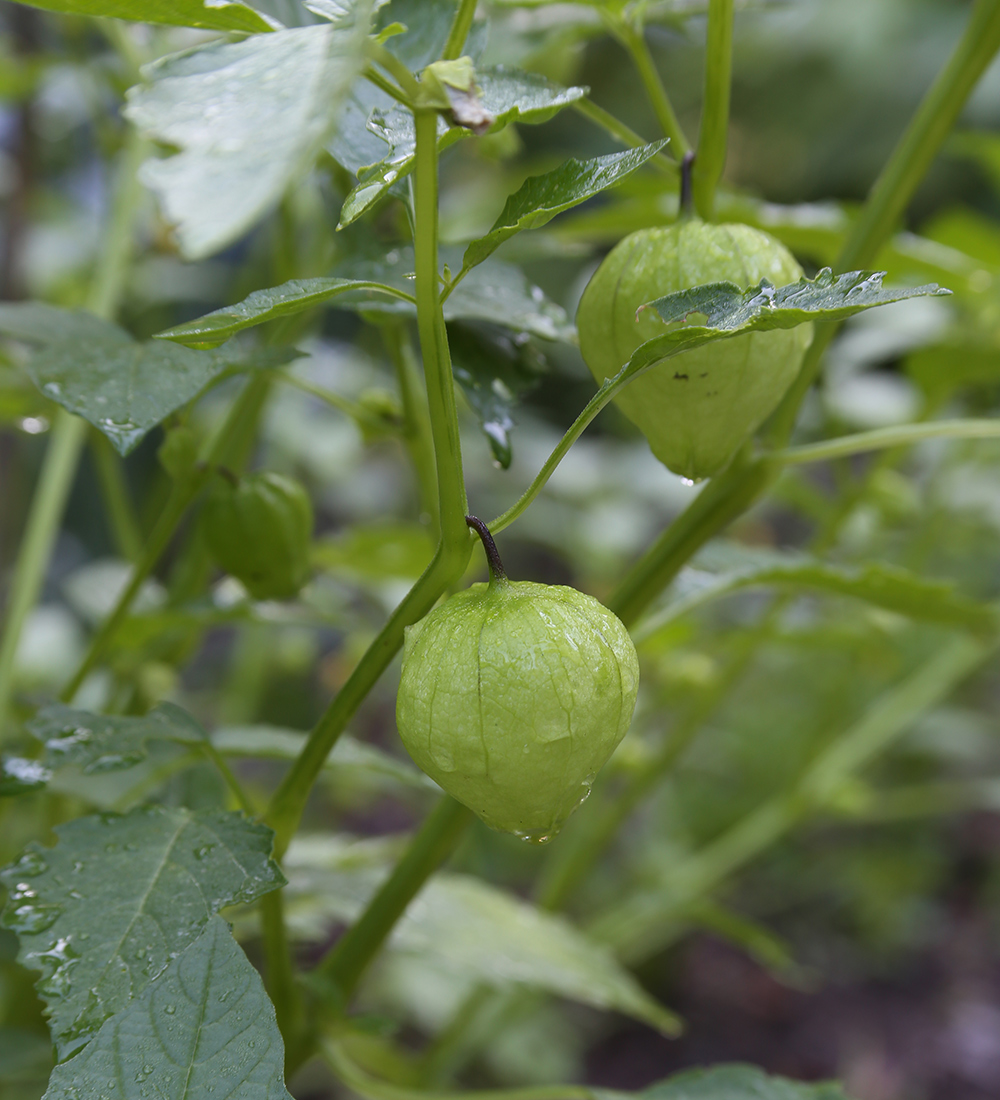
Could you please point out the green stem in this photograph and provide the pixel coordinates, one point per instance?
(419, 438)
(723, 500)
(392, 65)
(710, 158)
(280, 974)
(434, 842)
(68, 432)
(372, 74)
(882, 438)
(181, 496)
(906, 167)
(625, 134)
(58, 471)
(243, 800)
(639, 925)
(459, 32)
(634, 40)
(357, 412)
(121, 514)
(455, 546)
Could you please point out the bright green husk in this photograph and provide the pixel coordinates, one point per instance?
(696, 409)
(512, 698)
(260, 530)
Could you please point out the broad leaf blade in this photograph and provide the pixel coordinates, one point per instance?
(494, 291)
(265, 305)
(248, 117)
(104, 912)
(828, 297)
(541, 198)
(124, 387)
(509, 95)
(207, 14)
(204, 1029)
(21, 776)
(731, 311)
(97, 743)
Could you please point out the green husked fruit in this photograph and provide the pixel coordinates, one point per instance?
(260, 530)
(697, 408)
(513, 696)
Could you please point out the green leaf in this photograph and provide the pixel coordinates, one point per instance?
(275, 743)
(828, 297)
(208, 14)
(249, 118)
(509, 95)
(265, 305)
(204, 1029)
(103, 913)
(738, 1082)
(124, 387)
(494, 291)
(540, 198)
(463, 924)
(720, 569)
(495, 371)
(97, 743)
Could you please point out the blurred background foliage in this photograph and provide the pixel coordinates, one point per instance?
(863, 942)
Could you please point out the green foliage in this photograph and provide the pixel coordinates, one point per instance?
(320, 271)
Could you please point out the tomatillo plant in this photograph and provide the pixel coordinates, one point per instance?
(221, 871)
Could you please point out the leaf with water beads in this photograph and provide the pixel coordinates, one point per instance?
(205, 1029)
(103, 913)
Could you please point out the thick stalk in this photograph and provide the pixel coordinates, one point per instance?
(68, 432)
(419, 438)
(459, 32)
(711, 154)
(634, 40)
(436, 839)
(455, 546)
(280, 978)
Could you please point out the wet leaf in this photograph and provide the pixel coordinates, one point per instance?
(737, 1082)
(21, 776)
(104, 912)
(540, 198)
(206, 14)
(508, 95)
(249, 118)
(495, 371)
(99, 743)
(124, 387)
(204, 1029)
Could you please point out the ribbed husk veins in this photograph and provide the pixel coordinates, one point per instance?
(512, 697)
(260, 530)
(697, 408)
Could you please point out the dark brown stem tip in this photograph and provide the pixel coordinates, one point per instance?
(687, 191)
(497, 572)
(229, 476)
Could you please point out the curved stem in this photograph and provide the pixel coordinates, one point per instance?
(634, 41)
(625, 134)
(433, 843)
(711, 158)
(498, 575)
(117, 502)
(883, 438)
